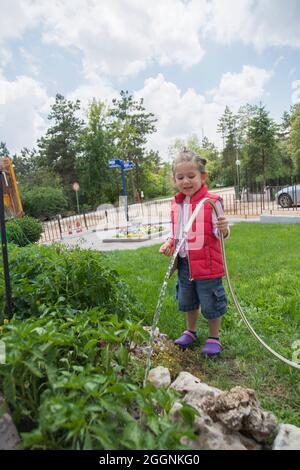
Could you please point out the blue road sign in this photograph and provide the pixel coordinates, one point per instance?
(114, 163)
(120, 164)
(128, 165)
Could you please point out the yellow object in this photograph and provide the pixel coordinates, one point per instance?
(12, 202)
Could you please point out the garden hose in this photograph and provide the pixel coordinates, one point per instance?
(235, 300)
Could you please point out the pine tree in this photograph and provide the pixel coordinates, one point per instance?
(262, 150)
(227, 127)
(3, 150)
(59, 147)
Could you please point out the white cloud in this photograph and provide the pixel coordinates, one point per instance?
(237, 88)
(263, 23)
(122, 37)
(23, 102)
(181, 114)
(97, 88)
(16, 17)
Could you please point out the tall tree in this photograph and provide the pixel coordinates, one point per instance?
(130, 125)
(262, 151)
(24, 164)
(59, 147)
(283, 135)
(227, 127)
(3, 150)
(97, 184)
(294, 138)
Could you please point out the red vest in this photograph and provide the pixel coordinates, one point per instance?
(206, 260)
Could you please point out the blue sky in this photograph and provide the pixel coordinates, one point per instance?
(187, 59)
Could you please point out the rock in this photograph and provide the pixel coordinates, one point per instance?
(9, 437)
(186, 383)
(239, 410)
(288, 438)
(174, 411)
(160, 377)
(212, 436)
(215, 436)
(196, 397)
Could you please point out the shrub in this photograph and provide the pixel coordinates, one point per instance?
(23, 231)
(70, 379)
(57, 276)
(68, 382)
(44, 202)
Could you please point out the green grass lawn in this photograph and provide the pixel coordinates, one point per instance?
(264, 265)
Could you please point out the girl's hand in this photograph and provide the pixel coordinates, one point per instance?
(222, 225)
(167, 248)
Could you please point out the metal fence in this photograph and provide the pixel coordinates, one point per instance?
(253, 201)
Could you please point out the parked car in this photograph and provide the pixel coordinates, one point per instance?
(288, 196)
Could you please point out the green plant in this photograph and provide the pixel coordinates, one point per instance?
(24, 230)
(44, 202)
(58, 277)
(68, 382)
(14, 232)
(31, 227)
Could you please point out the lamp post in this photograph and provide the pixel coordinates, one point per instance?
(238, 163)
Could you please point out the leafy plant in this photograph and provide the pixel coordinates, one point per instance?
(68, 381)
(24, 230)
(55, 276)
(44, 202)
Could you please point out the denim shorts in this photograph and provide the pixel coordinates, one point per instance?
(208, 293)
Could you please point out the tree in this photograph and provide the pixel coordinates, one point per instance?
(95, 176)
(24, 164)
(214, 168)
(227, 127)
(294, 138)
(205, 149)
(3, 150)
(59, 147)
(285, 154)
(262, 159)
(43, 201)
(130, 125)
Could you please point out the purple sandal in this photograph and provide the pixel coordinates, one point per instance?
(212, 348)
(186, 340)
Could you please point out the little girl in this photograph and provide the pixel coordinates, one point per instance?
(200, 266)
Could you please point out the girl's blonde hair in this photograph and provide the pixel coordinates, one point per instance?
(186, 155)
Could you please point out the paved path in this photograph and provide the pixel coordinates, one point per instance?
(94, 240)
